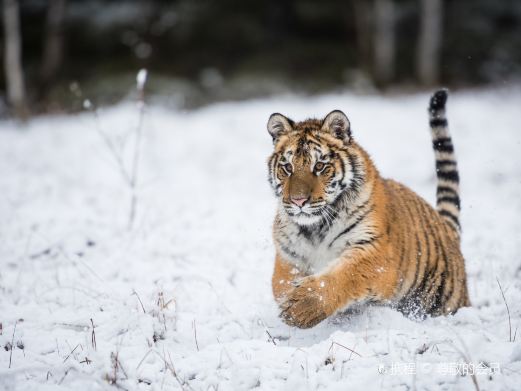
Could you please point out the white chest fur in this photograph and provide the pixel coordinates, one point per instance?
(313, 249)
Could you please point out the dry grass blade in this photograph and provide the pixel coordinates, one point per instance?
(195, 334)
(140, 302)
(170, 366)
(93, 336)
(508, 312)
(72, 351)
(270, 337)
(12, 345)
(345, 347)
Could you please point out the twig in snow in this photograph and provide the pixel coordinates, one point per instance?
(65, 375)
(345, 347)
(72, 351)
(160, 314)
(161, 301)
(57, 347)
(508, 312)
(143, 359)
(86, 361)
(140, 302)
(170, 366)
(116, 365)
(195, 334)
(12, 344)
(93, 336)
(270, 337)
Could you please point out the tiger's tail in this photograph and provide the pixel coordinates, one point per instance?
(447, 193)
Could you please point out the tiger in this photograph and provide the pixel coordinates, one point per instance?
(344, 236)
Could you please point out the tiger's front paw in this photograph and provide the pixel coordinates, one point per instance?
(304, 305)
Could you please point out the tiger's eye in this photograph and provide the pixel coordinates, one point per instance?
(319, 166)
(288, 168)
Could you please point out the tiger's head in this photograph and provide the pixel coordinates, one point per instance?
(313, 163)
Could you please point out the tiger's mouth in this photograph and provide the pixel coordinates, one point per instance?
(307, 214)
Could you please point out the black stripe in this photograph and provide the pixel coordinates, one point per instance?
(435, 270)
(448, 214)
(412, 288)
(310, 141)
(358, 209)
(431, 302)
(452, 200)
(452, 274)
(289, 251)
(403, 244)
(420, 216)
(443, 144)
(438, 123)
(442, 262)
(446, 148)
(400, 264)
(357, 221)
(438, 296)
(446, 293)
(419, 291)
(442, 139)
(438, 100)
(357, 180)
(452, 176)
(407, 244)
(343, 170)
(367, 241)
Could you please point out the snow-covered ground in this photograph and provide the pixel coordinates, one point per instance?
(183, 299)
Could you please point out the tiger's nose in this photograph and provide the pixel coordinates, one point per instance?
(299, 201)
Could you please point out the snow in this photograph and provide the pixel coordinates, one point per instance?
(183, 300)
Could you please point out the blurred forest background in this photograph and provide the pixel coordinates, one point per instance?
(56, 53)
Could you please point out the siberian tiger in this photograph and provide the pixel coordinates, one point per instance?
(345, 235)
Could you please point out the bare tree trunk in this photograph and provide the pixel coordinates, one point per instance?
(364, 27)
(429, 42)
(13, 59)
(384, 42)
(53, 44)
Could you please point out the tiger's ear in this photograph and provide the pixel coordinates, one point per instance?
(338, 125)
(278, 124)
